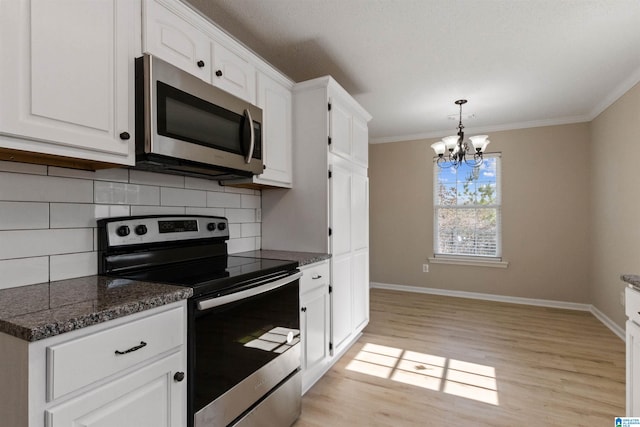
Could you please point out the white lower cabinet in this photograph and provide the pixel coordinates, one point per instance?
(632, 304)
(314, 322)
(127, 372)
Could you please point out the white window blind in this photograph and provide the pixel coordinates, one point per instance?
(467, 209)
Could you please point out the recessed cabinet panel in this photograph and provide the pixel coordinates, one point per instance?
(169, 37)
(144, 398)
(66, 80)
(360, 274)
(360, 143)
(77, 91)
(233, 73)
(340, 131)
(340, 183)
(360, 212)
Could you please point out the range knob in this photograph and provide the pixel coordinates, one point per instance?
(222, 226)
(141, 229)
(123, 231)
(211, 226)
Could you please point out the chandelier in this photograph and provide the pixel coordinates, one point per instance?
(458, 149)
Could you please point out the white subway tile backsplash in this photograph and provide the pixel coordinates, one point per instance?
(110, 211)
(126, 194)
(205, 211)
(33, 243)
(48, 214)
(202, 184)
(23, 168)
(182, 197)
(250, 230)
(152, 178)
(238, 216)
(250, 201)
(23, 215)
(73, 265)
(23, 271)
(157, 210)
(72, 215)
(37, 188)
(223, 200)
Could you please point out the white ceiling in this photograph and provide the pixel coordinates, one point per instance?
(520, 63)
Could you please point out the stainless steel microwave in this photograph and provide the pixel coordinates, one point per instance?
(186, 126)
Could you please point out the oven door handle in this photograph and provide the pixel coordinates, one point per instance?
(226, 299)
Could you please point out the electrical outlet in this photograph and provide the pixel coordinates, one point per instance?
(622, 298)
(425, 268)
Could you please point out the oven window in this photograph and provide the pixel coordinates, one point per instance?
(235, 340)
(189, 118)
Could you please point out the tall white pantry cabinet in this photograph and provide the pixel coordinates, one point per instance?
(327, 210)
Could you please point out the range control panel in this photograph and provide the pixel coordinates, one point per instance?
(125, 231)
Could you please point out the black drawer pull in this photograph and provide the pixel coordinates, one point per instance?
(200, 63)
(132, 349)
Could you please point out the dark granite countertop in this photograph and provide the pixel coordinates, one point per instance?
(632, 279)
(303, 258)
(40, 311)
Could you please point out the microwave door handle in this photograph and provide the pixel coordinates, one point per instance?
(252, 137)
(237, 296)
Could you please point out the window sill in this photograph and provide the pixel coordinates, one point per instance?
(474, 262)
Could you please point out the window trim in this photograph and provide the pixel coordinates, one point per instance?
(470, 260)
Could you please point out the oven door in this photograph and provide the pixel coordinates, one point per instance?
(244, 346)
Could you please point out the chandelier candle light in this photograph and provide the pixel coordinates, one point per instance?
(458, 147)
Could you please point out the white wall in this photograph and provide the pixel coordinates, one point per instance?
(48, 215)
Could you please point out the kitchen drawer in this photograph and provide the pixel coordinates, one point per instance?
(82, 361)
(314, 275)
(632, 304)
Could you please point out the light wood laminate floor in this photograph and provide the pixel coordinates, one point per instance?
(427, 360)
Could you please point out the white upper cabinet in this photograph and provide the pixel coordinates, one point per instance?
(168, 36)
(349, 132)
(66, 78)
(274, 98)
(175, 33)
(233, 72)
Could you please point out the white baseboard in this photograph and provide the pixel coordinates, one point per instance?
(513, 300)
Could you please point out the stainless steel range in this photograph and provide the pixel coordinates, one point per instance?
(243, 330)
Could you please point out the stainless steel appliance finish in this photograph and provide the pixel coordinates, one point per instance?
(186, 126)
(243, 320)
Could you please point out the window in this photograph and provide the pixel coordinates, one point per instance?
(467, 210)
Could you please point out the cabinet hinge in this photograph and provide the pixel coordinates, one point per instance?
(329, 106)
(331, 346)
(329, 138)
(330, 231)
(330, 289)
(329, 174)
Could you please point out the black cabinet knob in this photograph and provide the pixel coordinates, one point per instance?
(178, 376)
(219, 73)
(304, 309)
(125, 136)
(200, 63)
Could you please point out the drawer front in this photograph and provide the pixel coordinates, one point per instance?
(82, 361)
(632, 304)
(314, 275)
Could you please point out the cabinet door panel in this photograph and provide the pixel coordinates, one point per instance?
(237, 74)
(360, 141)
(275, 100)
(360, 212)
(341, 327)
(68, 88)
(146, 398)
(360, 274)
(633, 369)
(340, 183)
(171, 38)
(315, 330)
(340, 129)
